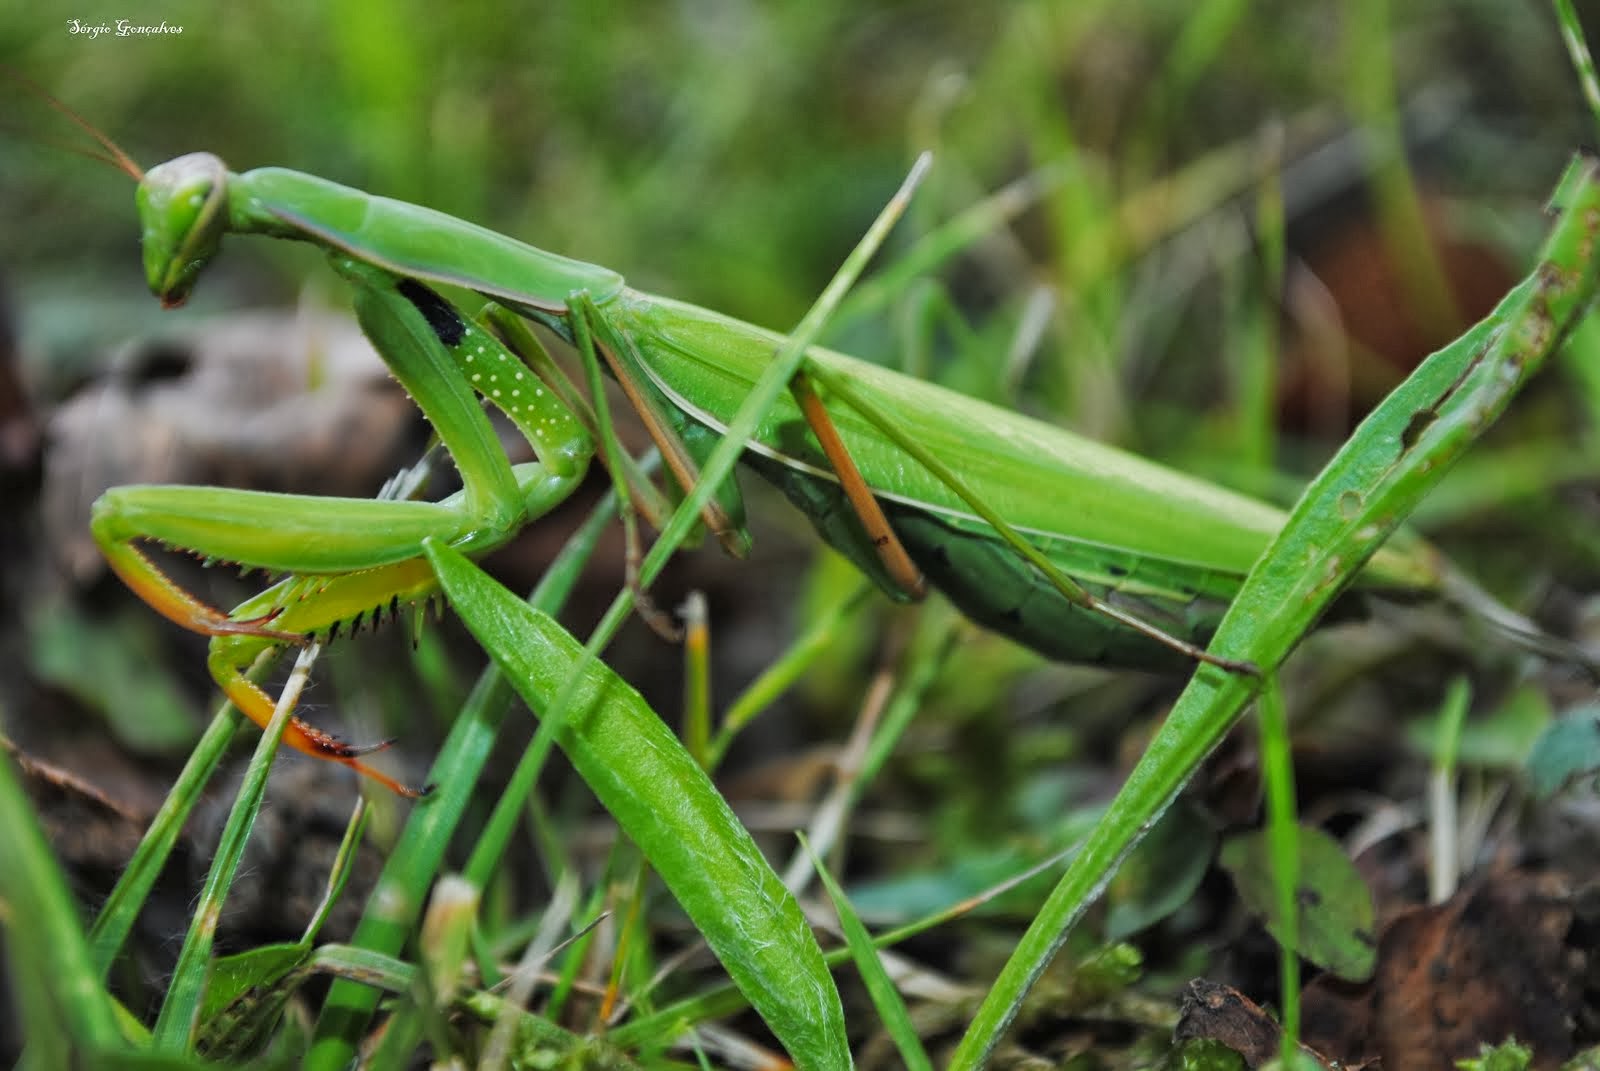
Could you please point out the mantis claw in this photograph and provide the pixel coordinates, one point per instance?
(350, 751)
(660, 621)
(256, 626)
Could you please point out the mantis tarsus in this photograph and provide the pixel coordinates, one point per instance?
(1153, 556)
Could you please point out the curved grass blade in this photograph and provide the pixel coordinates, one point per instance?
(885, 997)
(64, 1003)
(180, 1011)
(1358, 500)
(121, 909)
(665, 802)
(396, 902)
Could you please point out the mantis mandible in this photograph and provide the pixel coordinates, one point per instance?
(1081, 551)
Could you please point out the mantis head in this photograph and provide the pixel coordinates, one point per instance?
(183, 208)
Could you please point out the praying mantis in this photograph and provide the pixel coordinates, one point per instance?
(1079, 550)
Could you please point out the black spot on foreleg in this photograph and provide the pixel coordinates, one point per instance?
(439, 313)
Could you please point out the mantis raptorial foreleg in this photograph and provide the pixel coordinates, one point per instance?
(354, 560)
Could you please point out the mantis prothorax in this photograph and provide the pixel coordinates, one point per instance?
(869, 455)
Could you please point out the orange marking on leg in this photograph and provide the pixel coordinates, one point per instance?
(673, 453)
(146, 580)
(892, 552)
(308, 739)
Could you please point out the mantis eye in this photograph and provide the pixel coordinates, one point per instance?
(183, 209)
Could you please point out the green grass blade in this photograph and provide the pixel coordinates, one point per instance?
(697, 678)
(396, 902)
(1277, 767)
(667, 805)
(1444, 868)
(495, 840)
(1357, 501)
(784, 671)
(386, 973)
(937, 247)
(344, 863)
(1260, 343)
(180, 1011)
(122, 907)
(885, 997)
(1578, 50)
(51, 962)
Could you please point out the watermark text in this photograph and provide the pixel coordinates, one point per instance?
(121, 28)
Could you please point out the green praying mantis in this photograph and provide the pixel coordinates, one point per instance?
(1079, 550)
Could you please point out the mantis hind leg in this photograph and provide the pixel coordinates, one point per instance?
(1065, 586)
(891, 552)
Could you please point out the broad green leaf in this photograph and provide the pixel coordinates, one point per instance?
(1568, 749)
(1335, 907)
(245, 996)
(1161, 874)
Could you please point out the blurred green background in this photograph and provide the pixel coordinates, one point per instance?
(728, 153)
(1230, 227)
